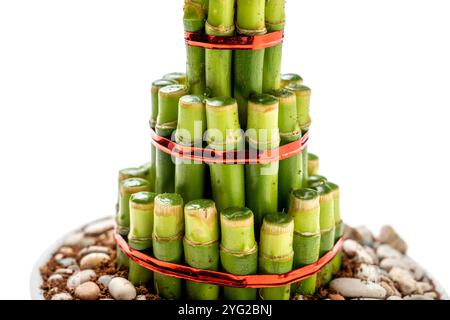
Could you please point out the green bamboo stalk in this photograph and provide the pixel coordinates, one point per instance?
(194, 21)
(156, 85)
(201, 246)
(303, 94)
(122, 260)
(190, 175)
(327, 227)
(218, 62)
(275, 21)
(263, 134)
(168, 229)
(290, 175)
(169, 97)
(313, 164)
(126, 188)
(238, 249)
(276, 255)
(140, 236)
(339, 230)
(227, 181)
(178, 77)
(314, 181)
(249, 64)
(305, 210)
(290, 79)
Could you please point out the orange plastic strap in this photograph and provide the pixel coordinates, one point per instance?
(228, 157)
(202, 40)
(226, 279)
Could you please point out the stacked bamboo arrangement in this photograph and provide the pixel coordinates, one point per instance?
(248, 219)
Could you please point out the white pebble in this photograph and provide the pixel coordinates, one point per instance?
(93, 260)
(105, 280)
(368, 272)
(87, 291)
(141, 297)
(62, 296)
(356, 251)
(74, 239)
(386, 251)
(80, 278)
(64, 271)
(394, 298)
(404, 280)
(66, 262)
(99, 227)
(121, 289)
(93, 249)
(357, 288)
(55, 278)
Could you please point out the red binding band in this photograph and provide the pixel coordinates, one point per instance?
(202, 40)
(228, 157)
(226, 279)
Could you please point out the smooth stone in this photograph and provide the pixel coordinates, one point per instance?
(93, 260)
(368, 272)
(394, 298)
(404, 280)
(372, 254)
(299, 297)
(108, 238)
(98, 228)
(55, 278)
(386, 251)
(105, 280)
(67, 251)
(80, 278)
(58, 256)
(87, 291)
(66, 262)
(403, 263)
(352, 234)
(366, 236)
(357, 288)
(390, 288)
(74, 239)
(389, 236)
(93, 249)
(417, 297)
(74, 267)
(432, 295)
(424, 287)
(141, 297)
(121, 289)
(62, 296)
(64, 271)
(354, 250)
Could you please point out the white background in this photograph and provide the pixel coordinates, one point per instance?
(74, 108)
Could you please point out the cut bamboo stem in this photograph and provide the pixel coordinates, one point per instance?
(262, 179)
(291, 79)
(201, 246)
(276, 253)
(313, 164)
(305, 210)
(190, 175)
(339, 229)
(227, 181)
(166, 124)
(327, 227)
(194, 21)
(168, 229)
(219, 62)
(140, 236)
(178, 77)
(238, 249)
(275, 21)
(248, 64)
(290, 175)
